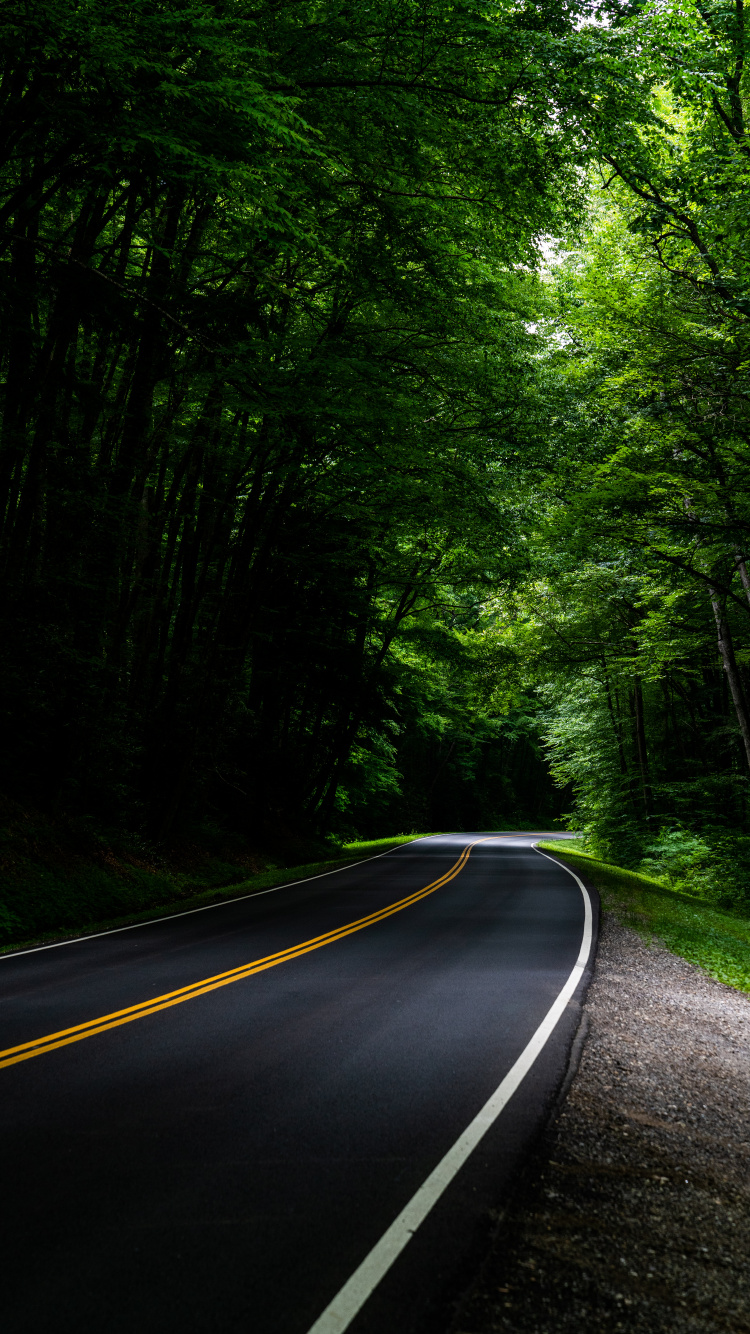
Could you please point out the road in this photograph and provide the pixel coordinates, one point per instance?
(225, 1156)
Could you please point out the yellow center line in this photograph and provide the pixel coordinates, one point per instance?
(25, 1051)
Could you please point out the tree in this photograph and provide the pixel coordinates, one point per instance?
(265, 337)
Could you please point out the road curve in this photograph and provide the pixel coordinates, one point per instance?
(210, 1122)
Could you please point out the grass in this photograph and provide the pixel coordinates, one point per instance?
(718, 942)
(350, 853)
(373, 846)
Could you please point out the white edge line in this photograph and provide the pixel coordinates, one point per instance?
(339, 1314)
(153, 921)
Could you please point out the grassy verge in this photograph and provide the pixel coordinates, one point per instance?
(371, 847)
(719, 942)
(349, 855)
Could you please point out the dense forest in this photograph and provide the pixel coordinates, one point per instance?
(374, 444)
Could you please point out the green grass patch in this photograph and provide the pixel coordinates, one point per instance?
(158, 897)
(718, 942)
(371, 847)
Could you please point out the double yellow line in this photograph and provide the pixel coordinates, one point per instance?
(25, 1051)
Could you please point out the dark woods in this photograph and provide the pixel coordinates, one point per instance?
(262, 278)
(325, 506)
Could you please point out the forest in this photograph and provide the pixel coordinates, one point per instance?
(375, 424)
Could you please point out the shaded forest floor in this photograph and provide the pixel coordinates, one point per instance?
(634, 1214)
(64, 877)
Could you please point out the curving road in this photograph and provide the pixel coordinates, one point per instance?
(267, 1117)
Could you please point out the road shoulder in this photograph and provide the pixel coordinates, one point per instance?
(633, 1213)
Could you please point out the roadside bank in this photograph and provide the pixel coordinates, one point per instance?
(59, 883)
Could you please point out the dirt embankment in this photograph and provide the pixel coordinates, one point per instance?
(635, 1213)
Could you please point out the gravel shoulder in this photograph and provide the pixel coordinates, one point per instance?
(634, 1214)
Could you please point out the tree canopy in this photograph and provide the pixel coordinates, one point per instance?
(325, 496)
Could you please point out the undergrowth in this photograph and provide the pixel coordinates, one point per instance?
(67, 898)
(718, 942)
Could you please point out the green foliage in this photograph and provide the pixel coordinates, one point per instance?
(266, 287)
(683, 860)
(643, 524)
(715, 941)
(716, 868)
(374, 846)
(461, 749)
(321, 509)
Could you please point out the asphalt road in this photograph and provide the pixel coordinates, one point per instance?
(227, 1160)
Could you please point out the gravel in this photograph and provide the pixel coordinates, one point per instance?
(634, 1213)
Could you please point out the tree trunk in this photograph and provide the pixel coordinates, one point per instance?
(726, 649)
(744, 576)
(640, 741)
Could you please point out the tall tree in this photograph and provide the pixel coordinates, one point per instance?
(264, 333)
